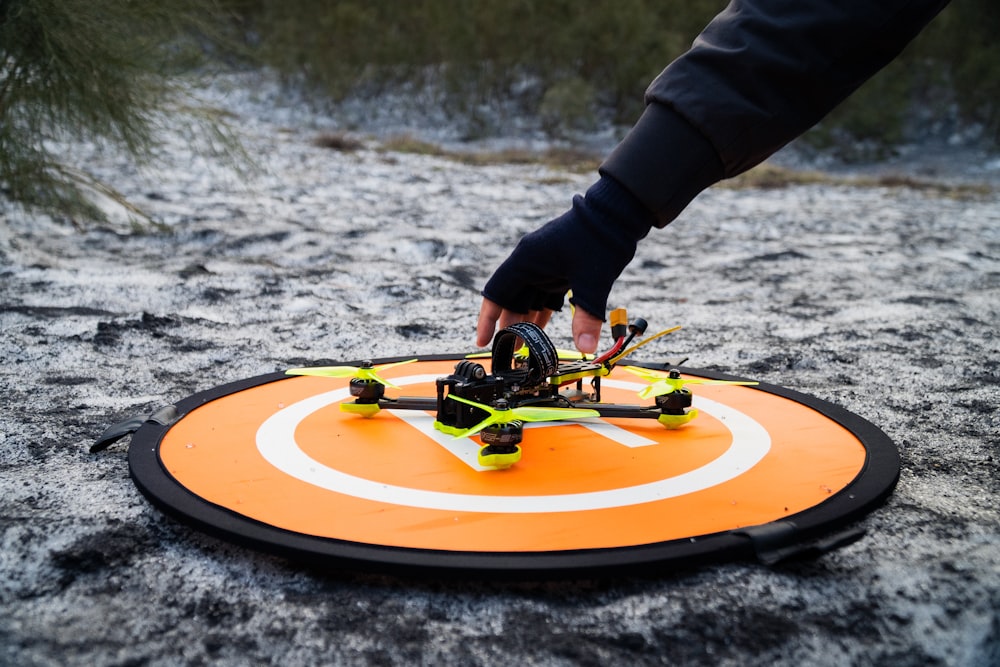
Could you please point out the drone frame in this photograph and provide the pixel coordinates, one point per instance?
(528, 374)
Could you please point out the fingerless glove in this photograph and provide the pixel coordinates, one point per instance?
(583, 250)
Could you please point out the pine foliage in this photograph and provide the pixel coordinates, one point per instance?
(78, 70)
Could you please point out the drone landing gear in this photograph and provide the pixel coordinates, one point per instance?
(500, 445)
(675, 408)
(367, 392)
(676, 421)
(499, 457)
(500, 448)
(366, 410)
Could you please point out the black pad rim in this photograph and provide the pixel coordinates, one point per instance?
(870, 488)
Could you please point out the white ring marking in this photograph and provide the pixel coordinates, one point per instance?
(276, 443)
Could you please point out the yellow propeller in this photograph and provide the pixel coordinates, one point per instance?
(665, 382)
(366, 371)
(502, 414)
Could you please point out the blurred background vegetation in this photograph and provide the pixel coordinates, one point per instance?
(574, 63)
(103, 71)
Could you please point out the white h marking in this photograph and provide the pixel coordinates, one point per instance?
(467, 450)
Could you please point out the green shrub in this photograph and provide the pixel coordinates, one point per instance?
(480, 50)
(536, 53)
(948, 77)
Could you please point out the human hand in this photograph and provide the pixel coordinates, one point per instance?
(586, 327)
(584, 250)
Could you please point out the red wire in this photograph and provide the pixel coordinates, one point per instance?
(612, 352)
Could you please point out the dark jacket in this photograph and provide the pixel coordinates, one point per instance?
(759, 75)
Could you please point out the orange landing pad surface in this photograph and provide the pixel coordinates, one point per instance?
(283, 453)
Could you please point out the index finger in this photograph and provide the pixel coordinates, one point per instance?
(489, 313)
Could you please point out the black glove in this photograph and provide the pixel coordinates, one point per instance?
(583, 250)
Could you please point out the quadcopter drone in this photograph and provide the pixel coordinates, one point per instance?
(529, 381)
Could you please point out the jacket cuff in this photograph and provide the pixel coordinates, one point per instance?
(664, 162)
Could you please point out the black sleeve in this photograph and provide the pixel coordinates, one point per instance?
(759, 75)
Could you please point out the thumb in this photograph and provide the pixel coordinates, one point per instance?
(586, 330)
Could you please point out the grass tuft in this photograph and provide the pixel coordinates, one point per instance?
(341, 143)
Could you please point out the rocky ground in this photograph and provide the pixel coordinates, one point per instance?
(884, 299)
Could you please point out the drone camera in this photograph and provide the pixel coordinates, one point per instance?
(469, 381)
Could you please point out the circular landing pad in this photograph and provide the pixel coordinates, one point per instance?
(273, 463)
